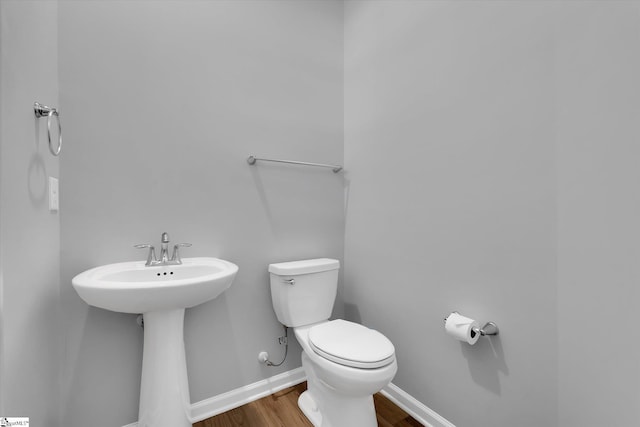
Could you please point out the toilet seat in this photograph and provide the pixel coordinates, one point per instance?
(351, 344)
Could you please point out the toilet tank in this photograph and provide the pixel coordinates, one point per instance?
(303, 292)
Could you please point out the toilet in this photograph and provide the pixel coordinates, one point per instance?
(345, 362)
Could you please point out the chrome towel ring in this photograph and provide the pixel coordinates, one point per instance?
(41, 110)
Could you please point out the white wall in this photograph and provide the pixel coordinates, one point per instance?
(598, 62)
(163, 103)
(29, 233)
(449, 144)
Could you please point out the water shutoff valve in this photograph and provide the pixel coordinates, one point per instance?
(263, 356)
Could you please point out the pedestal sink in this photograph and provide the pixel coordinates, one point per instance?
(161, 293)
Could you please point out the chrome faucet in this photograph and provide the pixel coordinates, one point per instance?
(164, 248)
(152, 261)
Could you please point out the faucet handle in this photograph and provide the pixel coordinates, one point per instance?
(165, 237)
(176, 251)
(151, 257)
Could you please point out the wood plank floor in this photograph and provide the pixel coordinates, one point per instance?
(281, 410)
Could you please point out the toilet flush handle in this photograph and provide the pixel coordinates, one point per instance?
(289, 281)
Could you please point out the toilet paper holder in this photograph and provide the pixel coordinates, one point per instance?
(489, 328)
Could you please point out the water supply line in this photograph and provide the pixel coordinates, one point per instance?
(263, 357)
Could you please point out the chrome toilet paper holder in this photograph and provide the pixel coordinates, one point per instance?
(489, 328)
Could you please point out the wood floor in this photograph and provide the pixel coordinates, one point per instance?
(281, 410)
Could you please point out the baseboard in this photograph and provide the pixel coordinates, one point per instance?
(241, 396)
(418, 410)
(226, 401)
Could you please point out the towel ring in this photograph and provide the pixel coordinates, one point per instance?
(49, 112)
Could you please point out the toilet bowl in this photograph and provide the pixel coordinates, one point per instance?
(339, 395)
(345, 362)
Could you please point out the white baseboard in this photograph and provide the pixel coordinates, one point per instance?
(418, 410)
(241, 396)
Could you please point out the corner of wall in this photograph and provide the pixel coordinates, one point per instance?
(2, 382)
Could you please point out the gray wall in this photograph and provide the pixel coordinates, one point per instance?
(29, 233)
(449, 144)
(598, 57)
(163, 103)
(493, 151)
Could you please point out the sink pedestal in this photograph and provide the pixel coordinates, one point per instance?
(164, 389)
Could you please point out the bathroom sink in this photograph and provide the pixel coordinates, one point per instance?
(131, 287)
(161, 293)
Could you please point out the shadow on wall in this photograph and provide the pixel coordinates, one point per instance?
(37, 180)
(37, 172)
(346, 186)
(264, 201)
(203, 358)
(293, 200)
(486, 361)
(101, 337)
(352, 313)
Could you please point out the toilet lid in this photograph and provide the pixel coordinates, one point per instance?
(351, 344)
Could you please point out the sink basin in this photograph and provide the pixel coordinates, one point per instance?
(161, 294)
(131, 287)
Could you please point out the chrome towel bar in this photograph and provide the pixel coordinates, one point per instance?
(252, 161)
(49, 112)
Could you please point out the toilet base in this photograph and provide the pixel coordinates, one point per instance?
(354, 412)
(326, 407)
(310, 408)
